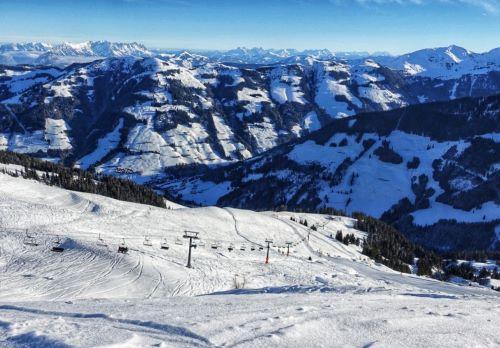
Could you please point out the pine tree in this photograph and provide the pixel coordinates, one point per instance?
(483, 273)
(339, 236)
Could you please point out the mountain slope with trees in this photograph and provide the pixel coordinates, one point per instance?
(431, 170)
(78, 180)
(140, 116)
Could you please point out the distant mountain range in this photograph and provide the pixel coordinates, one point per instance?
(67, 53)
(242, 55)
(164, 118)
(444, 62)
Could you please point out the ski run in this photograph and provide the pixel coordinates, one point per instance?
(322, 294)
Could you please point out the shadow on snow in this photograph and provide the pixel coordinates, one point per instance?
(169, 329)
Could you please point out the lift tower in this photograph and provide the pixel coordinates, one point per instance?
(268, 242)
(190, 235)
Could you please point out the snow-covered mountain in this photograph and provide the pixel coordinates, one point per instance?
(150, 114)
(67, 53)
(431, 169)
(101, 49)
(444, 63)
(260, 56)
(28, 46)
(90, 295)
(22, 53)
(257, 55)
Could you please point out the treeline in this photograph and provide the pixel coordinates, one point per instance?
(476, 255)
(349, 238)
(303, 222)
(80, 180)
(322, 210)
(384, 243)
(466, 271)
(388, 246)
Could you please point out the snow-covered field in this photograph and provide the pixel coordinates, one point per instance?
(89, 295)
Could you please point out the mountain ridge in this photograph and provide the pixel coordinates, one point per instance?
(231, 113)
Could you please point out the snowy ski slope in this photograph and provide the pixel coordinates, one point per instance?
(89, 295)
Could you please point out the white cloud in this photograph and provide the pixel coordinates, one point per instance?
(490, 6)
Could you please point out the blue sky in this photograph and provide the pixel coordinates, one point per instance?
(396, 26)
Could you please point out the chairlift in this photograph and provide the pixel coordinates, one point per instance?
(122, 247)
(214, 246)
(101, 242)
(252, 247)
(57, 245)
(261, 248)
(29, 240)
(178, 241)
(201, 243)
(242, 247)
(164, 245)
(147, 241)
(230, 247)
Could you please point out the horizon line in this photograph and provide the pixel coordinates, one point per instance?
(154, 47)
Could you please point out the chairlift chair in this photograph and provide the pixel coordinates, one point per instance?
(214, 246)
(147, 241)
(178, 241)
(242, 247)
(164, 245)
(252, 247)
(261, 248)
(57, 246)
(230, 247)
(122, 247)
(201, 244)
(101, 242)
(29, 240)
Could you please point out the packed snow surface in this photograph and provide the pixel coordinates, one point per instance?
(89, 295)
